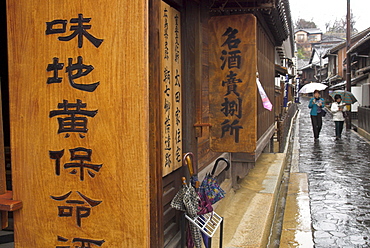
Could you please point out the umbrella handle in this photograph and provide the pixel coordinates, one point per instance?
(188, 159)
(197, 185)
(216, 164)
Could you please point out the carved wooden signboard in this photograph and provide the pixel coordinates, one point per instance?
(232, 76)
(78, 76)
(171, 81)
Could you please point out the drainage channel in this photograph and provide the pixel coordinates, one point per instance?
(277, 224)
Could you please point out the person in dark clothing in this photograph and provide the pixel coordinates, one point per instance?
(316, 105)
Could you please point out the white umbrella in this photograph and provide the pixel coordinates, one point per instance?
(311, 87)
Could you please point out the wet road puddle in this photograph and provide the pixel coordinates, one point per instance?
(297, 219)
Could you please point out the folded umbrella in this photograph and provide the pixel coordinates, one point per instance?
(210, 187)
(188, 160)
(178, 201)
(187, 200)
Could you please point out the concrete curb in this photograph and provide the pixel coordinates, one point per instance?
(297, 231)
(248, 213)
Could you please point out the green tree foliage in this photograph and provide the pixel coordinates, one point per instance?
(301, 54)
(302, 23)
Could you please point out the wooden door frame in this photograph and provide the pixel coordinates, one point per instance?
(155, 168)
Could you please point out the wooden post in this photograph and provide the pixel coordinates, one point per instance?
(3, 214)
(156, 215)
(348, 70)
(79, 102)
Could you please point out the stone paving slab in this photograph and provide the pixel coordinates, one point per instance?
(249, 211)
(298, 183)
(339, 183)
(290, 239)
(297, 217)
(252, 231)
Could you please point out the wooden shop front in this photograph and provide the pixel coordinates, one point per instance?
(79, 121)
(106, 97)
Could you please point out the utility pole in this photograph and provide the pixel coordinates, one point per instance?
(348, 70)
(320, 62)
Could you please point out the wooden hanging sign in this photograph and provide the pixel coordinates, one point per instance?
(232, 88)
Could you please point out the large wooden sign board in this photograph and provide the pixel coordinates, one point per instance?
(78, 78)
(232, 88)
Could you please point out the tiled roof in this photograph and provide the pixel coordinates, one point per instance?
(354, 38)
(301, 63)
(359, 43)
(309, 30)
(330, 38)
(275, 13)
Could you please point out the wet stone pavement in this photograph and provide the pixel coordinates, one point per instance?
(339, 183)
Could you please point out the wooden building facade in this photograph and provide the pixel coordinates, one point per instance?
(165, 78)
(204, 24)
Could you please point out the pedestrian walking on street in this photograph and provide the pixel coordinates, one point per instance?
(316, 105)
(337, 108)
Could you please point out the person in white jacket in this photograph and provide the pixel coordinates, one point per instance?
(337, 108)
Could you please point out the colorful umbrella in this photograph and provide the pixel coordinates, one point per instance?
(347, 97)
(311, 87)
(210, 187)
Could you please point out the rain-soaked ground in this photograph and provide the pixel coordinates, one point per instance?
(339, 183)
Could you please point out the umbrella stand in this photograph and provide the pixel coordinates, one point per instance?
(207, 223)
(187, 200)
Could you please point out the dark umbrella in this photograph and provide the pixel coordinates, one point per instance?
(210, 187)
(347, 97)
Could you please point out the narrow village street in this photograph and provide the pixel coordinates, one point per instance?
(339, 183)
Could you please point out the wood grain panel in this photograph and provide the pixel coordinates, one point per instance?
(171, 88)
(156, 214)
(266, 71)
(167, 105)
(2, 153)
(3, 214)
(117, 135)
(233, 92)
(177, 87)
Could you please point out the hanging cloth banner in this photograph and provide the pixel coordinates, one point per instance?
(286, 90)
(265, 100)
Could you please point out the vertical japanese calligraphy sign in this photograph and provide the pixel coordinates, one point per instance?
(171, 83)
(166, 89)
(176, 87)
(78, 76)
(232, 83)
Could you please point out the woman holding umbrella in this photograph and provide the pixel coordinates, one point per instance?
(337, 108)
(316, 105)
